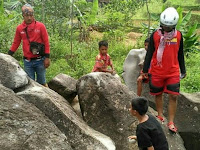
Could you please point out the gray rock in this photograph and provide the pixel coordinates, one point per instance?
(132, 69)
(24, 127)
(64, 85)
(187, 119)
(58, 110)
(104, 104)
(11, 74)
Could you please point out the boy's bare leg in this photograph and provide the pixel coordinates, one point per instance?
(139, 88)
(172, 107)
(159, 104)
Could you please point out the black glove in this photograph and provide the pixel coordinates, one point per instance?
(182, 75)
(10, 52)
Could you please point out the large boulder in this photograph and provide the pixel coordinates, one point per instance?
(11, 74)
(24, 127)
(188, 119)
(131, 68)
(104, 103)
(64, 85)
(58, 110)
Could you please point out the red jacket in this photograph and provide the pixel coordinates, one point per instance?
(37, 33)
(172, 60)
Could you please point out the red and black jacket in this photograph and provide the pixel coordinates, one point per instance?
(172, 59)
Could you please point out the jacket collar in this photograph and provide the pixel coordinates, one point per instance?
(30, 26)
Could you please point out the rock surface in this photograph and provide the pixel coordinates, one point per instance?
(131, 68)
(58, 110)
(64, 85)
(104, 103)
(24, 127)
(11, 74)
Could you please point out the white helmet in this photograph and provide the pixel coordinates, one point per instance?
(169, 17)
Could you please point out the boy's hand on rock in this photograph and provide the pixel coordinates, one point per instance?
(113, 72)
(133, 137)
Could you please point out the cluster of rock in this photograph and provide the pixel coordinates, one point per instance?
(36, 117)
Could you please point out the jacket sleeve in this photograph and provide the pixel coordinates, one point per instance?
(149, 54)
(181, 57)
(17, 41)
(45, 39)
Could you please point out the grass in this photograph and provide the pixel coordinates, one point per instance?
(183, 2)
(191, 82)
(156, 7)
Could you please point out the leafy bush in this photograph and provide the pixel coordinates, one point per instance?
(117, 35)
(183, 2)
(189, 31)
(192, 81)
(8, 22)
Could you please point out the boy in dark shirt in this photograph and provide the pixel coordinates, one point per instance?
(149, 133)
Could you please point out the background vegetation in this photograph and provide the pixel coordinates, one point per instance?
(76, 26)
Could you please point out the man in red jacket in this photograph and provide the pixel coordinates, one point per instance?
(165, 53)
(31, 31)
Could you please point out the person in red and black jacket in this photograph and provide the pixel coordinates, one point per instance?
(165, 53)
(32, 31)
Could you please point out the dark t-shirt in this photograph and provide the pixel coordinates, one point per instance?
(150, 133)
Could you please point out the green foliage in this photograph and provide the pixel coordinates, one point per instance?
(92, 16)
(58, 47)
(77, 64)
(117, 35)
(8, 21)
(198, 1)
(182, 2)
(113, 19)
(155, 7)
(189, 32)
(192, 83)
(118, 14)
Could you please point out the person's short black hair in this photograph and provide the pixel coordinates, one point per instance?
(147, 40)
(140, 104)
(103, 43)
